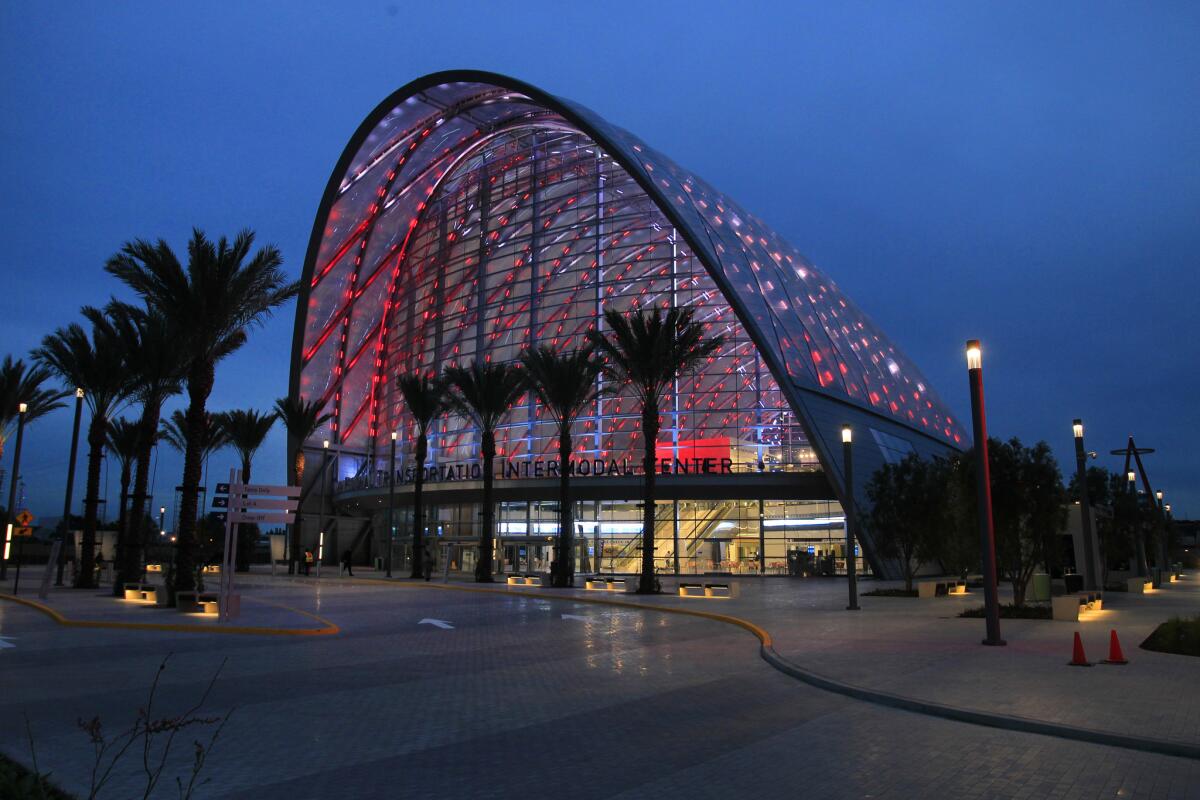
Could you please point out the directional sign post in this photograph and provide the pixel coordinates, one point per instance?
(250, 503)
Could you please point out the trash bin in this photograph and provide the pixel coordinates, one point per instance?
(1041, 586)
(378, 563)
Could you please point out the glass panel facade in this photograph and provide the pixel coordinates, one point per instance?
(734, 537)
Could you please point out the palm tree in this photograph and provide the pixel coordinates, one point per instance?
(97, 365)
(23, 384)
(484, 393)
(175, 431)
(123, 441)
(154, 371)
(212, 303)
(425, 399)
(647, 351)
(565, 385)
(302, 419)
(246, 431)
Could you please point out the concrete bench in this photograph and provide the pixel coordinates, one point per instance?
(1066, 607)
(605, 585)
(1138, 585)
(715, 590)
(142, 592)
(929, 589)
(525, 580)
(197, 602)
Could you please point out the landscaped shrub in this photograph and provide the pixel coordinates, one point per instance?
(1177, 635)
(1009, 611)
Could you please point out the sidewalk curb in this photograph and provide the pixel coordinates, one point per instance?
(328, 628)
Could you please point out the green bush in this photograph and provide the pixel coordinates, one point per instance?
(18, 783)
(1177, 635)
(890, 593)
(1009, 611)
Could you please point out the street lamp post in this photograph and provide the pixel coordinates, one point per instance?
(1139, 540)
(12, 492)
(987, 533)
(1085, 508)
(66, 517)
(391, 506)
(848, 510)
(1162, 570)
(324, 497)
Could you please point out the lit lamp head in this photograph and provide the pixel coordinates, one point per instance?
(1167, 507)
(79, 393)
(162, 509)
(1077, 428)
(847, 434)
(22, 408)
(1129, 476)
(393, 436)
(1158, 495)
(974, 354)
(325, 444)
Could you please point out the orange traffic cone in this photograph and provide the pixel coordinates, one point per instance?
(1078, 659)
(1115, 656)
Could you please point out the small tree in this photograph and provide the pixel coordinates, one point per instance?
(302, 419)
(1028, 509)
(907, 512)
(124, 438)
(246, 430)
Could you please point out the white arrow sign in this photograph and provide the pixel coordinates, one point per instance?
(441, 623)
(284, 504)
(260, 516)
(5, 643)
(258, 488)
(575, 616)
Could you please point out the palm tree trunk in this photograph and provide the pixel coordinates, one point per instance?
(565, 562)
(487, 538)
(297, 479)
(247, 533)
(418, 546)
(199, 384)
(86, 578)
(131, 566)
(123, 533)
(650, 450)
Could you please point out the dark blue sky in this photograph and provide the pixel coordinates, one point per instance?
(1025, 173)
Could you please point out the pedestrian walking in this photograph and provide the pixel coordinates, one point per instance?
(427, 560)
(347, 567)
(308, 560)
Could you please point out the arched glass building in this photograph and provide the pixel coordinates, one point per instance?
(472, 215)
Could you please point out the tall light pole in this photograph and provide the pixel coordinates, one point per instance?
(391, 506)
(12, 491)
(1085, 509)
(848, 510)
(983, 488)
(66, 517)
(1139, 540)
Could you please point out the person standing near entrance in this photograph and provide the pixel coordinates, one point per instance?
(427, 559)
(347, 567)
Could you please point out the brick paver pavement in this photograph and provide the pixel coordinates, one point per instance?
(517, 699)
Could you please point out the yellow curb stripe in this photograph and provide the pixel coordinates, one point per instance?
(328, 628)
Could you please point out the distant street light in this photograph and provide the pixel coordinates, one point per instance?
(1138, 539)
(391, 506)
(66, 517)
(848, 509)
(1085, 508)
(162, 520)
(983, 488)
(11, 512)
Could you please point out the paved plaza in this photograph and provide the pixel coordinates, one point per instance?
(506, 694)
